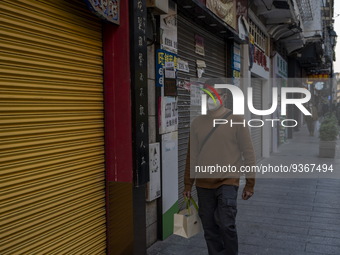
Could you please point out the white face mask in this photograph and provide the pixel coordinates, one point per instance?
(212, 105)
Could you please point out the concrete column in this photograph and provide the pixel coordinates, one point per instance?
(151, 207)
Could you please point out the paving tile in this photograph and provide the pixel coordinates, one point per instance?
(285, 216)
(321, 248)
(323, 233)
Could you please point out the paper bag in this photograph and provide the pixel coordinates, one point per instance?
(187, 223)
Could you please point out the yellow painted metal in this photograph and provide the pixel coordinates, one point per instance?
(51, 129)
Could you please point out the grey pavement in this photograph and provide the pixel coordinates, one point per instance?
(297, 216)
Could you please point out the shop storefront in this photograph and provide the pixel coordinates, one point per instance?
(190, 49)
(58, 175)
(52, 140)
(195, 46)
(280, 70)
(260, 63)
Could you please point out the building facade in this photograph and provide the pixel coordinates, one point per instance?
(97, 98)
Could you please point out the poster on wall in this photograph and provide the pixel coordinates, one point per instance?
(154, 186)
(224, 9)
(166, 64)
(199, 45)
(169, 115)
(170, 87)
(196, 94)
(168, 31)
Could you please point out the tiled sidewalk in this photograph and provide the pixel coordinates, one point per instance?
(285, 216)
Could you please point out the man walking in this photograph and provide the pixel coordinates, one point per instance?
(225, 145)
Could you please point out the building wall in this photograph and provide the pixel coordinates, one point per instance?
(314, 26)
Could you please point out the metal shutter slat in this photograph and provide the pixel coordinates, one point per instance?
(215, 59)
(51, 129)
(256, 132)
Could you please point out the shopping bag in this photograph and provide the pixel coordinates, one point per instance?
(187, 223)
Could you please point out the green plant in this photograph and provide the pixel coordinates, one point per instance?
(329, 129)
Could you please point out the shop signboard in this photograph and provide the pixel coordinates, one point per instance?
(225, 10)
(107, 10)
(165, 61)
(281, 66)
(139, 92)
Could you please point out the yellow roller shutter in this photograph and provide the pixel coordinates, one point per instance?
(51, 129)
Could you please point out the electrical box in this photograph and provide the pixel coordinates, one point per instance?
(159, 6)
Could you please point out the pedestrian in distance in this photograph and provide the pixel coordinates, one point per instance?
(311, 119)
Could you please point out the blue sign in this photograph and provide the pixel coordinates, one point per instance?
(162, 57)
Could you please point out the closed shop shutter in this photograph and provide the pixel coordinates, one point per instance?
(51, 133)
(215, 59)
(256, 132)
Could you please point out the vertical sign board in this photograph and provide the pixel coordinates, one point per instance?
(139, 91)
(236, 64)
(164, 58)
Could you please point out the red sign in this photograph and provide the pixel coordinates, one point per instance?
(260, 58)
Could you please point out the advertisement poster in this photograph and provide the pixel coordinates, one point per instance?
(165, 61)
(169, 115)
(199, 45)
(168, 30)
(196, 95)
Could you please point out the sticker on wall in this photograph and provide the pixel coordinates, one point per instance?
(183, 65)
(169, 70)
(200, 65)
(154, 186)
